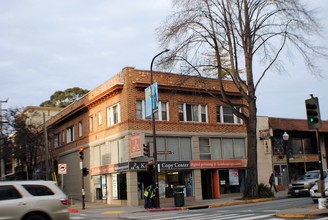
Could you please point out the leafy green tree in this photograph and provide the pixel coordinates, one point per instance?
(203, 34)
(62, 99)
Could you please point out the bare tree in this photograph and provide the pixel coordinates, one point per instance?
(225, 37)
(26, 143)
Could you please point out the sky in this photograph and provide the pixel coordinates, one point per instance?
(52, 45)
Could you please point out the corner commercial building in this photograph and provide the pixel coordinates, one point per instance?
(201, 144)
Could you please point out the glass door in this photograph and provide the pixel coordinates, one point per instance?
(281, 175)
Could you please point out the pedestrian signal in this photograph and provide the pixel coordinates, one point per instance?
(85, 171)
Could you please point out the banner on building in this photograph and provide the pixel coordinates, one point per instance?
(136, 145)
(151, 97)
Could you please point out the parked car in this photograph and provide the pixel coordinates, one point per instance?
(315, 194)
(32, 200)
(302, 186)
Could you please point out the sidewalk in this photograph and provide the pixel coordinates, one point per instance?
(310, 211)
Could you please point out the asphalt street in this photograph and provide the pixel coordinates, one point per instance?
(262, 211)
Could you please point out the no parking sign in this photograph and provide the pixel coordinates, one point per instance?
(62, 168)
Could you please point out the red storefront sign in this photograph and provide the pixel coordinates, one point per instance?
(207, 164)
(102, 170)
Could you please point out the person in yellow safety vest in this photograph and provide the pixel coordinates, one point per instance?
(147, 195)
(153, 197)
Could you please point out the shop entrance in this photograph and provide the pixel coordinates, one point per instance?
(207, 184)
(100, 186)
(281, 175)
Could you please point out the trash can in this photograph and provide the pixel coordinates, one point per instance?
(179, 196)
(322, 203)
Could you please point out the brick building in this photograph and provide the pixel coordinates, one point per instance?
(201, 144)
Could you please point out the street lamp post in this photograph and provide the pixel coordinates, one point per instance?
(321, 181)
(285, 138)
(154, 128)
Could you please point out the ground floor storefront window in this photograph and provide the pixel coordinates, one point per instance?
(216, 182)
(117, 186)
(167, 181)
(231, 181)
(100, 186)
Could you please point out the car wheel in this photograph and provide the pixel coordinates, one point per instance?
(36, 217)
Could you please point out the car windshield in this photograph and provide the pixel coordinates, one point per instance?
(310, 175)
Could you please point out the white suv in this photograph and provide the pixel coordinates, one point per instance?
(32, 200)
(302, 186)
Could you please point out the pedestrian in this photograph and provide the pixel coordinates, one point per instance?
(272, 183)
(147, 194)
(153, 197)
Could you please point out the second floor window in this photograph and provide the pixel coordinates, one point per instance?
(63, 136)
(192, 112)
(57, 140)
(70, 134)
(225, 115)
(99, 118)
(113, 115)
(161, 114)
(222, 148)
(91, 124)
(80, 129)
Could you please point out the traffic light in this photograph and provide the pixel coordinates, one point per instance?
(85, 171)
(81, 153)
(313, 113)
(146, 150)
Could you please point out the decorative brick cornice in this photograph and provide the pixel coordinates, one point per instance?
(105, 95)
(187, 90)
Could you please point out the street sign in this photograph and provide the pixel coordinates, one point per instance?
(62, 168)
(164, 152)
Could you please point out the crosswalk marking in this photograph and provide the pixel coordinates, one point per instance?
(178, 217)
(255, 217)
(203, 216)
(219, 215)
(208, 217)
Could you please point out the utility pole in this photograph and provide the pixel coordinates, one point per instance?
(314, 122)
(3, 171)
(81, 152)
(46, 145)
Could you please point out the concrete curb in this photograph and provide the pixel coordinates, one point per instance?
(204, 206)
(240, 202)
(301, 213)
(165, 209)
